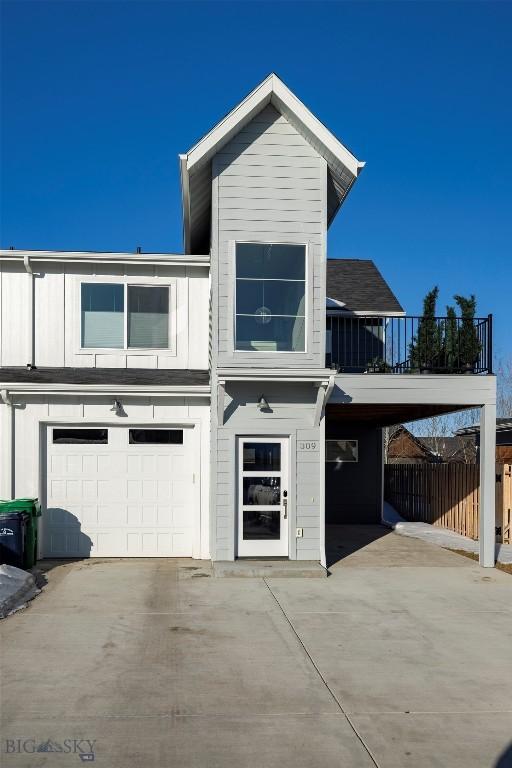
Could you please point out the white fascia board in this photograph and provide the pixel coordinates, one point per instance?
(104, 389)
(271, 89)
(185, 201)
(345, 313)
(313, 124)
(427, 389)
(168, 259)
(230, 124)
(274, 374)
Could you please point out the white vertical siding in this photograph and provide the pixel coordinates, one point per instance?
(15, 309)
(33, 411)
(57, 315)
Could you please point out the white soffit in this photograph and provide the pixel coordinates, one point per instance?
(195, 168)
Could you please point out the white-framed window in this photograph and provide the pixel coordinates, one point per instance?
(120, 315)
(342, 451)
(270, 297)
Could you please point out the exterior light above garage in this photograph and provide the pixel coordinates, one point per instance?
(117, 408)
(263, 403)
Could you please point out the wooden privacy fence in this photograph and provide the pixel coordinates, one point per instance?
(504, 500)
(447, 495)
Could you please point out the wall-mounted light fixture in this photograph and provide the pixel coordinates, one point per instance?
(117, 408)
(263, 403)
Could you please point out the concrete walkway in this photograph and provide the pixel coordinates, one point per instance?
(441, 536)
(400, 658)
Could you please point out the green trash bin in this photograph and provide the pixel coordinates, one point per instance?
(33, 509)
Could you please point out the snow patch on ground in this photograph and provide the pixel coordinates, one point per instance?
(17, 587)
(440, 536)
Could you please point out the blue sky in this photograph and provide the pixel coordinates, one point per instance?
(98, 99)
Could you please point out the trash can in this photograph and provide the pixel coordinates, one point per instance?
(33, 510)
(13, 528)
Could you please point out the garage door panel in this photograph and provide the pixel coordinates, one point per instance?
(149, 489)
(58, 465)
(178, 465)
(89, 465)
(149, 515)
(89, 515)
(181, 517)
(112, 489)
(165, 466)
(119, 499)
(179, 491)
(89, 489)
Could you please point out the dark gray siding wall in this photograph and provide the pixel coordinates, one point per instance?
(353, 490)
(292, 415)
(269, 185)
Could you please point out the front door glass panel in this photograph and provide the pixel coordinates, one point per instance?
(262, 457)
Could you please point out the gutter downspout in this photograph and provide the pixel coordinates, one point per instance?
(6, 398)
(328, 392)
(32, 308)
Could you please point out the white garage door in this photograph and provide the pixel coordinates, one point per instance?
(119, 492)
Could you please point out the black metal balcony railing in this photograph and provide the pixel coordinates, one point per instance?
(409, 344)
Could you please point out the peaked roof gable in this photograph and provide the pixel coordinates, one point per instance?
(195, 166)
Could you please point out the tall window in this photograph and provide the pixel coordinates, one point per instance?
(117, 316)
(270, 297)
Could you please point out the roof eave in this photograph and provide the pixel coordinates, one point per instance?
(271, 90)
(185, 201)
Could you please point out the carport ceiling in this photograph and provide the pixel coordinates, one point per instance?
(385, 415)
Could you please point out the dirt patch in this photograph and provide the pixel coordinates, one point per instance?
(506, 567)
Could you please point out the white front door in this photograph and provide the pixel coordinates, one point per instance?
(262, 496)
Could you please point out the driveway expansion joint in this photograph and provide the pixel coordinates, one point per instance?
(322, 678)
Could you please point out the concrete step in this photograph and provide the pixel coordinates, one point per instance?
(272, 569)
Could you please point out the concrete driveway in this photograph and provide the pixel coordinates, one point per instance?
(400, 658)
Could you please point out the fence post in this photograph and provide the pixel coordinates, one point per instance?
(487, 484)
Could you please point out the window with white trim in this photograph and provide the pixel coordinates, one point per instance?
(121, 316)
(270, 313)
(342, 451)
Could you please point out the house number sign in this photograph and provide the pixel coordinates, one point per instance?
(307, 445)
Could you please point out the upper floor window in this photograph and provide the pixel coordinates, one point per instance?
(120, 316)
(270, 312)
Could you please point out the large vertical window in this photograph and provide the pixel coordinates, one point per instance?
(270, 297)
(120, 316)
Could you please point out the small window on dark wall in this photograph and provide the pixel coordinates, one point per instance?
(342, 451)
(80, 436)
(156, 436)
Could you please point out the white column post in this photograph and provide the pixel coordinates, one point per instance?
(487, 484)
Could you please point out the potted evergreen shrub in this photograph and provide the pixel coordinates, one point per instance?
(469, 343)
(451, 341)
(425, 347)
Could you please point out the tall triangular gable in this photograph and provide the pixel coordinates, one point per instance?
(195, 165)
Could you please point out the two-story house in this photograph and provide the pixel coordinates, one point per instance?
(227, 402)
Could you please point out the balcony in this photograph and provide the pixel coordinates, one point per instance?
(408, 344)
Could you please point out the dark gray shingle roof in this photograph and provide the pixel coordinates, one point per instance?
(114, 376)
(360, 286)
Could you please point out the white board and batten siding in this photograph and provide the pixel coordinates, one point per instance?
(115, 499)
(269, 185)
(57, 315)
